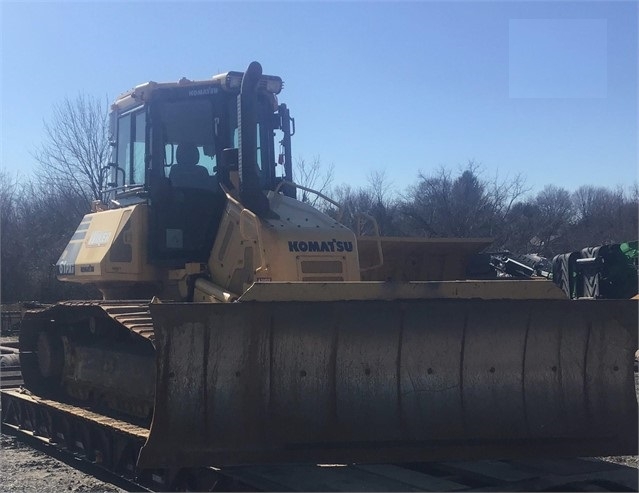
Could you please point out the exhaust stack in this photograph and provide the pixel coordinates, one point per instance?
(251, 194)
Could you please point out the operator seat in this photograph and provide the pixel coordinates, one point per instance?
(186, 172)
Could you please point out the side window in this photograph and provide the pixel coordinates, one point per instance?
(169, 158)
(131, 147)
(137, 166)
(124, 144)
(259, 147)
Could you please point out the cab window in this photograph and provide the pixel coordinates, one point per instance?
(131, 147)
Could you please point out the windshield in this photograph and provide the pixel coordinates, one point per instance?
(192, 140)
(194, 133)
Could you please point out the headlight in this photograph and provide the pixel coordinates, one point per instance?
(232, 81)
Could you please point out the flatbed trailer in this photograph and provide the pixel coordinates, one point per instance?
(114, 445)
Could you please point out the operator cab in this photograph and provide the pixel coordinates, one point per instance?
(175, 149)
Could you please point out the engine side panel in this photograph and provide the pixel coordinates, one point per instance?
(109, 247)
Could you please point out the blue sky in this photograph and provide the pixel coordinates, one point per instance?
(548, 90)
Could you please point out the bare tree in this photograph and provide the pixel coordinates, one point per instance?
(310, 174)
(380, 186)
(553, 214)
(384, 206)
(463, 206)
(604, 215)
(520, 226)
(76, 147)
(47, 218)
(37, 222)
(10, 247)
(376, 200)
(8, 196)
(504, 194)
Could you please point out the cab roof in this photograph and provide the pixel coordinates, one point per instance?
(228, 81)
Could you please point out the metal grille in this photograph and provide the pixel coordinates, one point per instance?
(322, 267)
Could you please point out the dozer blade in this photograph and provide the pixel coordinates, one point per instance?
(392, 381)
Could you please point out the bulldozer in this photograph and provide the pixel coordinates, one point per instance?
(242, 325)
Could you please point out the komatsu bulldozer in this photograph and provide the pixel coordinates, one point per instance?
(243, 325)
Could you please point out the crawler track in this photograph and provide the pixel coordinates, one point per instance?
(99, 353)
(113, 445)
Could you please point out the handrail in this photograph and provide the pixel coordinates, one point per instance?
(127, 189)
(378, 238)
(307, 189)
(128, 192)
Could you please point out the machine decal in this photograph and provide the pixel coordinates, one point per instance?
(99, 238)
(66, 263)
(203, 91)
(84, 225)
(65, 269)
(320, 246)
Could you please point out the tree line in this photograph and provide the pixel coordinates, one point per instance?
(447, 204)
(39, 214)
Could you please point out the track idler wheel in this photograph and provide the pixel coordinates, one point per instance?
(41, 357)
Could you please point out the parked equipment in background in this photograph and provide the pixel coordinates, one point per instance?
(607, 271)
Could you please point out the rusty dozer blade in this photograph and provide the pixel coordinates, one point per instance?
(392, 381)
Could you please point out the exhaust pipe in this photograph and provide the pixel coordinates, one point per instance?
(251, 194)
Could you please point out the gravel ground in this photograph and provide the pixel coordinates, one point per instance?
(627, 460)
(25, 469)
